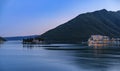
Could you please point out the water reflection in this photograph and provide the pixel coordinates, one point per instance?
(96, 60)
(1, 43)
(84, 60)
(90, 60)
(31, 45)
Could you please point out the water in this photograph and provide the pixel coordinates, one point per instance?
(15, 57)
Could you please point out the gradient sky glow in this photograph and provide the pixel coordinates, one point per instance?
(33, 17)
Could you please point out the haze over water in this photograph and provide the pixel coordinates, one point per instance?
(15, 57)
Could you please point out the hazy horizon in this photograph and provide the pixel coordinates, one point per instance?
(34, 17)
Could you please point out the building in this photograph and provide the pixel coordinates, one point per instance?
(100, 41)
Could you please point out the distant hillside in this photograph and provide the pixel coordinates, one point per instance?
(83, 26)
(20, 37)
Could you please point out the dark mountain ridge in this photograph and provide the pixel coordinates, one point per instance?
(80, 28)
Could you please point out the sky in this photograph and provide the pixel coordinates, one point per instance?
(35, 17)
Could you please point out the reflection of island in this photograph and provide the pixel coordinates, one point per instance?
(40, 45)
(31, 45)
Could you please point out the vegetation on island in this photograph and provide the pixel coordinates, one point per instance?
(33, 40)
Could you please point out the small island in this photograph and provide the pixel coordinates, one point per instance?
(1, 40)
(33, 41)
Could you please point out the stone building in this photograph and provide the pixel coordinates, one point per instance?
(100, 40)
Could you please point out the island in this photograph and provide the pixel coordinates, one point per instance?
(1, 40)
(33, 41)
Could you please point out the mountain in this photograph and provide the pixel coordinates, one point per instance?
(19, 37)
(80, 28)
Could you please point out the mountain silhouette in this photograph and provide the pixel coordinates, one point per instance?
(80, 28)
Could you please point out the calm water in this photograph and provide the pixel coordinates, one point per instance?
(16, 57)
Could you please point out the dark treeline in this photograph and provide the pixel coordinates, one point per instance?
(33, 40)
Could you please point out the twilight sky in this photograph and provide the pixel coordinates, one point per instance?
(34, 17)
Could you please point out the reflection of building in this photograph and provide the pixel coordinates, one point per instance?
(99, 40)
